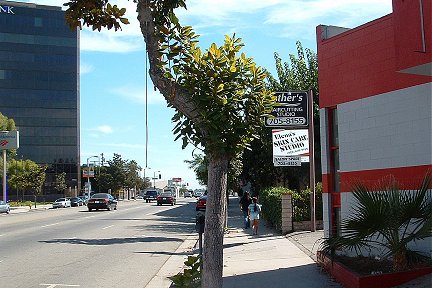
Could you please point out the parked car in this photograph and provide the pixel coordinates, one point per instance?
(102, 201)
(166, 198)
(4, 207)
(201, 203)
(61, 203)
(150, 195)
(139, 198)
(188, 193)
(76, 201)
(84, 198)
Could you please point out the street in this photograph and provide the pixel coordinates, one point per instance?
(71, 247)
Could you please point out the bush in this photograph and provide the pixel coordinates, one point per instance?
(301, 204)
(271, 200)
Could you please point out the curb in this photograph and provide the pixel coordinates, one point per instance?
(174, 264)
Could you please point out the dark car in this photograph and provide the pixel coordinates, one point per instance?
(166, 198)
(150, 195)
(201, 203)
(102, 201)
(76, 201)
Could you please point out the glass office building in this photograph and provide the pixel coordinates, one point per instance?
(39, 86)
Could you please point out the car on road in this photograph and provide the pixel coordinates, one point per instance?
(102, 201)
(76, 201)
(139, 198)
(4, 207)
(188, 193)
(61, 203)
(201, 203)
(166, 198)
(198, 194)
(84, 198)
(150, 195)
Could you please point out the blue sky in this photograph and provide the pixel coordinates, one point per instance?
(113, 75)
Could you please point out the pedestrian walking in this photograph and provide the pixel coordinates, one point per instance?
(254, 211)
(245, 201)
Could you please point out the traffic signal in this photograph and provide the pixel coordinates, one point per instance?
(160, 176)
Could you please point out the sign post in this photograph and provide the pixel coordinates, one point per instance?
(312, 162)
(8, 140)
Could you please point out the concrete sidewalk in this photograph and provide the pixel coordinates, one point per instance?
(266, 259)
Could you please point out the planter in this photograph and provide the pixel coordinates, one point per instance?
(351, 279)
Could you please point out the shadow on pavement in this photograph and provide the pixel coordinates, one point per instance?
(297, 277)
(112, 241)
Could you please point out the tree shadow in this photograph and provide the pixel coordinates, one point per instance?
(112, 241)
(304, 276)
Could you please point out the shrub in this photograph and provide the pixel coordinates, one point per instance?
(301, 203)
(270, 198)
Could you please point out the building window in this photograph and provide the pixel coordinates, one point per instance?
(334, 187)
(38, 22)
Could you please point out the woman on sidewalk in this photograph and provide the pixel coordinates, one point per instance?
(254, 214)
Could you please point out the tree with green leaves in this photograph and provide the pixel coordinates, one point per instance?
(26, 176)
(60, 182)
(219, 96)
(299, 73)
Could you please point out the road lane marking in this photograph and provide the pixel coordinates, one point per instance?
(48, 225)
(58, 285)
(107, 227)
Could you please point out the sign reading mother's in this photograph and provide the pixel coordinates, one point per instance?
(291, 110)
(290, 142)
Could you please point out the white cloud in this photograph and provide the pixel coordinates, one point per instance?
(86, 68)
(138, 94)
(103, 129)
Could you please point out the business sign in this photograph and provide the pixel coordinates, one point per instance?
(9, 140)
(88, 172)
(291, 110)
(6, 9)
(290, 160)
(290, 142)
(176, 179)
(286, 161)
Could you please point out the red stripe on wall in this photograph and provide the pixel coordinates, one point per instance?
(407, 177)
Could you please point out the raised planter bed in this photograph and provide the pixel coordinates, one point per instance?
(351, 279)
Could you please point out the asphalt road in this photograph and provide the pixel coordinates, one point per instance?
(71, 247)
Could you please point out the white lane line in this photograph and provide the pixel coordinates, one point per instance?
(48, 225)
(107, 227)
(58, 285)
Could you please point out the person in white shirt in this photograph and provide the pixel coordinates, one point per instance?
(254, 210)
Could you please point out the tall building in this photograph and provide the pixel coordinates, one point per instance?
(39, 86)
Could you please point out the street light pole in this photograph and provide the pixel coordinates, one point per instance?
(88, 174)
(154, 179)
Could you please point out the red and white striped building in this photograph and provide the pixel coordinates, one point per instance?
(375, 104)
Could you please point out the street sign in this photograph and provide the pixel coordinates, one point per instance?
(291, 111)
(9, 140)
(290, 142)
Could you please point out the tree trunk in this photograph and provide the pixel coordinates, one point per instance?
(214, 224)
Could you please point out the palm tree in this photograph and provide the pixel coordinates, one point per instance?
(388, 218)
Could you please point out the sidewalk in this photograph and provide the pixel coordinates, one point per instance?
(264, 260)
(23, 209)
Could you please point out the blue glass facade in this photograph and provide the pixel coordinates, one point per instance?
(39, 86)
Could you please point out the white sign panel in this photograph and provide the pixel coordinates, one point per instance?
(290, 142)
(302, 159)
(286, 161)
(9, 140)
